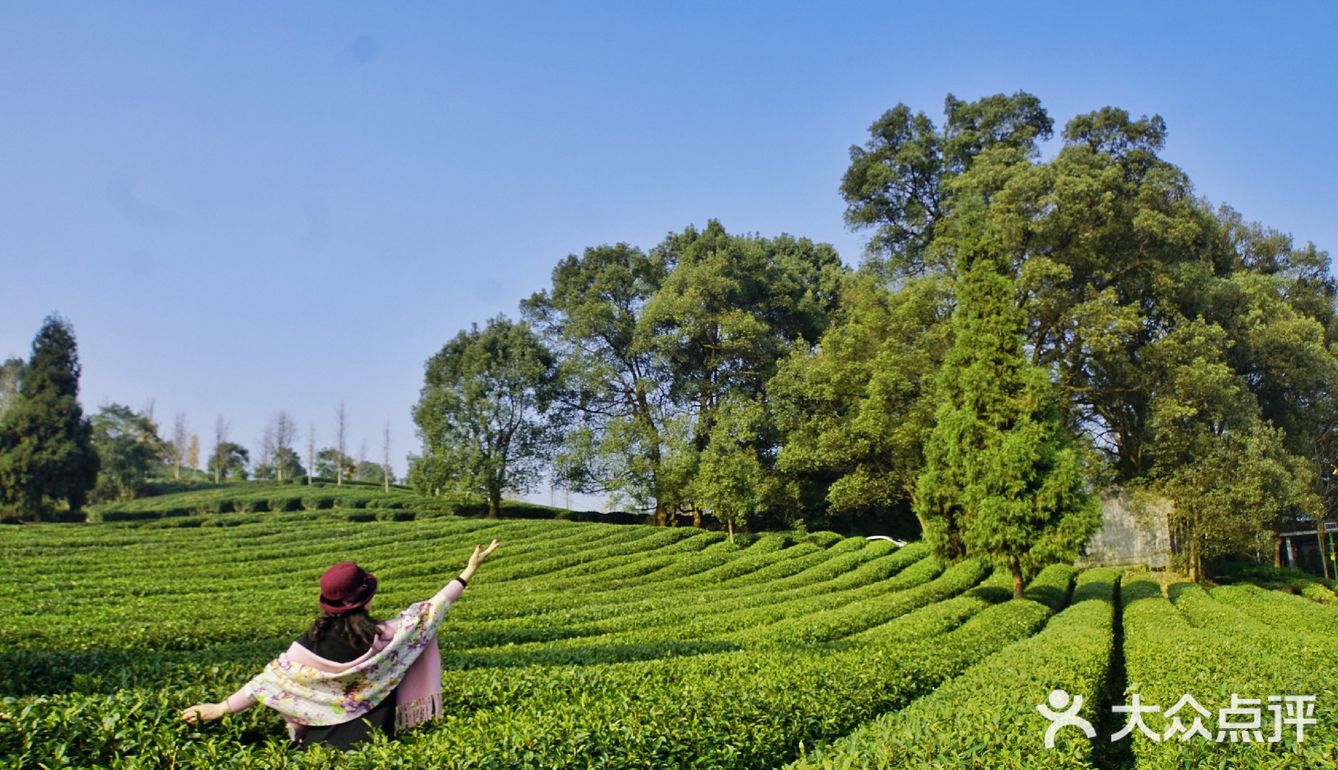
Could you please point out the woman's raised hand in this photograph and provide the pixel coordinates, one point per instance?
(478, 557)
(481, 555)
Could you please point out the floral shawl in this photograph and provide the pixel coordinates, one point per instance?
(311, 691)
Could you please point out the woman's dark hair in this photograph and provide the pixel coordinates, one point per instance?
(356, 628)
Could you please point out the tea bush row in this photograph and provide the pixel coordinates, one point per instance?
(987, 718)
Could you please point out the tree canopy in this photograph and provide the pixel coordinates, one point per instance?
(46, 450)
(1133, 289)
(482, 412)
(128, 448)
(228, 461)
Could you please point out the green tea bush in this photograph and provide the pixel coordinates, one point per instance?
(987, 717)
(591, 645)
(1193, 647)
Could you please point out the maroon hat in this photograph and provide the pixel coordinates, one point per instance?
(346, 587)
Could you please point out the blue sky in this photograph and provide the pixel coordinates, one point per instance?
(249, 207)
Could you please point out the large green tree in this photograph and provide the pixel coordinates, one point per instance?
(46, 449)
(483, 412)
(1002, 480)
(725, 316)
(616, 388)
(128, 448)
(731, 483)
(855, 410)
(1114, 256)
(1225, 467)
(651, 344)
(899, 183)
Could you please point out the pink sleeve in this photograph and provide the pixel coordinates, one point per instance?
(240, 700)
(450, 593)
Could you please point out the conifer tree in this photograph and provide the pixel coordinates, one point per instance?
(46, 448)
(1002, 480)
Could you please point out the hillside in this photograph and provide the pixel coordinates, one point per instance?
(590, 645)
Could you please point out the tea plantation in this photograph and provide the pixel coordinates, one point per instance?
(587, 645)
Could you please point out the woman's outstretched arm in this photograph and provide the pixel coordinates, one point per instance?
(208, 712)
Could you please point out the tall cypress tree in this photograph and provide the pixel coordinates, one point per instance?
(46, 448)
(1002, 480)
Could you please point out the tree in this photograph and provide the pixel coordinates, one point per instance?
(193, 453)
(899, 183)
(128, 448)
(267, 449)
(730, 480)
(731, 307)
(1225, 469)
(220, 438)
(11, 373)
(651, 343)
(429, 475)
(385, 458)
(1116, 264)
(330, 464)
(1106, 241)
(483, 406)
(311, 452)
(1002, 480)
(229, 461)
(284, 464)
(1324, 464)
(180, 436)
(369, 472)
(278, 459)
(341, 433)
(617, 390)
(856, 410)
(46, 449)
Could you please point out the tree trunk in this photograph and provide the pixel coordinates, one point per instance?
(1016, 569)
(696, 518)
(494, 506)
(729, 524)
(1195, 569)
(661, 515)
(1277, 553)
(1323, 554)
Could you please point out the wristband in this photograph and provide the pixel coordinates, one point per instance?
(463, 583)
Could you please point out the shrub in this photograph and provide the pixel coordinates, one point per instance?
(284, 504)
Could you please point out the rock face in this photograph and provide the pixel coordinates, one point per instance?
(1132, 532)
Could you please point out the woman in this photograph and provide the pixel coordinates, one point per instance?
(348, 674)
